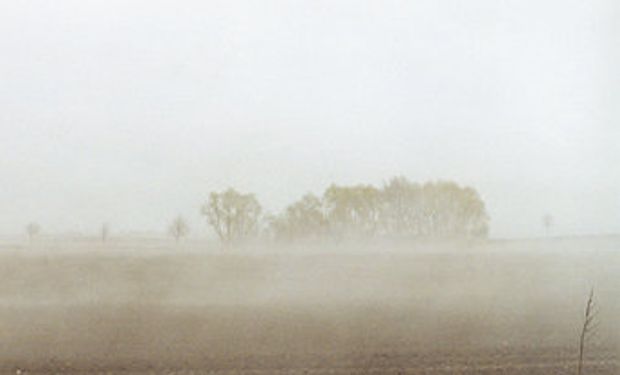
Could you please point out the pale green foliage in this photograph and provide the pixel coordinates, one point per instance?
(450, 211)
(402, 209)
(232, 215)
(178, 228)
(301, 220)
(352, 211)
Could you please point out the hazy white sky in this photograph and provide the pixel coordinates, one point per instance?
(130, 112)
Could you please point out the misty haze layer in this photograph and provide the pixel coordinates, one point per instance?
(510, 307)
(132, 112)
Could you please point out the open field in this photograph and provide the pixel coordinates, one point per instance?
(510, 307)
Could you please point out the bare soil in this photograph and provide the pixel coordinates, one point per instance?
(500, 308)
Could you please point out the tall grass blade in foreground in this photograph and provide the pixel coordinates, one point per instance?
(587, 328)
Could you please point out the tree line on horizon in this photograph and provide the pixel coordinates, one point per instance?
(401, 209)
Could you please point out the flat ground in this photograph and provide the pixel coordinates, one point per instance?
(509, 307)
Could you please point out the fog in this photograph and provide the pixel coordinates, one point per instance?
(499, 307)
(132, 112)
(342, 187)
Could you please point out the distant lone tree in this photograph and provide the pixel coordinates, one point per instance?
(547, 222)
(233, 216)
(178, 228)
(105, 232)
(32, 230)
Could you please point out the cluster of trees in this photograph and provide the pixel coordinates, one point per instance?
(401, 209)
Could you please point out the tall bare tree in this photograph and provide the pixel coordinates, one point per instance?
(233, 216)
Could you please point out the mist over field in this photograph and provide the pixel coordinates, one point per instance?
(310, 187)
(501, 306)
(131, 113)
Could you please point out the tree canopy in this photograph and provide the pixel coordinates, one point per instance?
(303, 219)
(401, 209)
(232, 215)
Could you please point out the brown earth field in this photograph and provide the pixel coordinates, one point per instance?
(503, 307)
